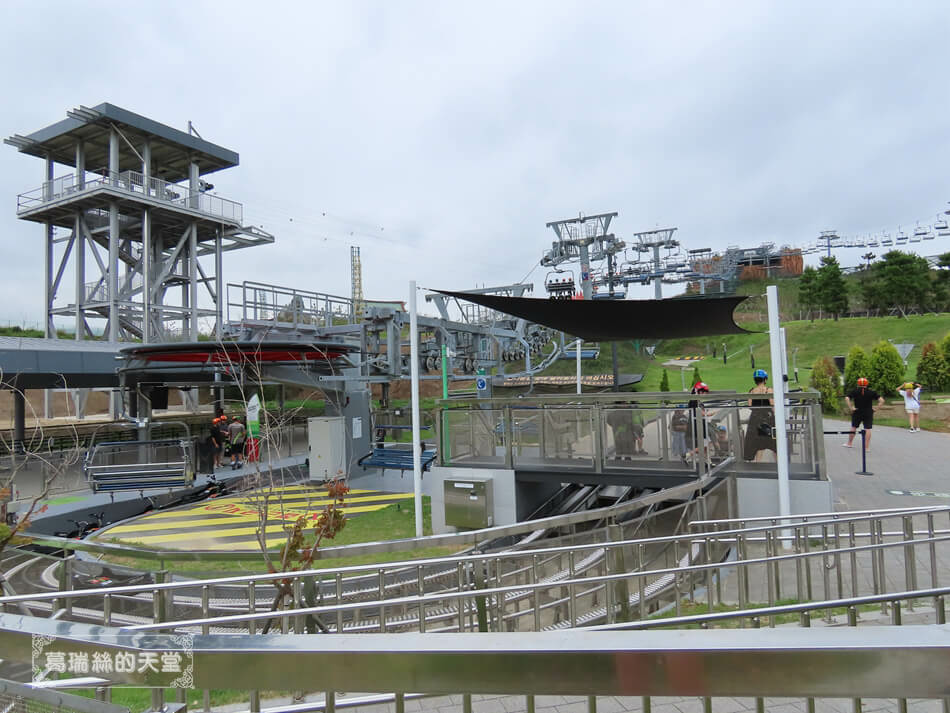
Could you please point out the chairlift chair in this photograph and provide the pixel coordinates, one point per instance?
(940, 225)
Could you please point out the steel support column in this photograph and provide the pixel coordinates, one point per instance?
(49, 328)
(114, 157)
(147, 335)
(219, 297)
(79, 240)
(19, 420)
(585, 272)
(113, 272)
(193, 283)
(194, 184)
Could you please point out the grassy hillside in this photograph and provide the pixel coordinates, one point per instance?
(813, 339)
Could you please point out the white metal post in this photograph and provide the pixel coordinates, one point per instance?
(778, 387)
(414, 376)
(578, 345)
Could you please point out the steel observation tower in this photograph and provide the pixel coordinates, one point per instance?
(144, 234)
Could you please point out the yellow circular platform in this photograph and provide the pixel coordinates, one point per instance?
(230, 522)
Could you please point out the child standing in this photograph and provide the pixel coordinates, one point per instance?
(911, 393)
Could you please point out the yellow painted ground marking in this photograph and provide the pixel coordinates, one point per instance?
(238, 545)
(195, 536)
(202, 508)
(210, 518)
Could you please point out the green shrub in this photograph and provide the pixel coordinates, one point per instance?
(887, 369)
(665, 381)
(825, 379)
(933, 372)
(945, 348)
(856, 365)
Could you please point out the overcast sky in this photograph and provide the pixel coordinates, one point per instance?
(440, 137)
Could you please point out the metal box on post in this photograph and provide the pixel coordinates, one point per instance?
(468, 502)
(326, 444)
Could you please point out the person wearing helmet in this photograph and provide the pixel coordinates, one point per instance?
(696, 433)
(911, 393)
(860, 402)
(759, 434)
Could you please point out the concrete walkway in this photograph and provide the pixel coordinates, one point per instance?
(902, 462)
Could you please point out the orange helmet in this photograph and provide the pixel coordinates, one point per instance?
(863, 383)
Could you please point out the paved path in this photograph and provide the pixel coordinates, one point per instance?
(901, 462)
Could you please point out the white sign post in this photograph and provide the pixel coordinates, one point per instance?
(414, 376)
(778, 387)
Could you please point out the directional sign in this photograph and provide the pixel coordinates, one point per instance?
(904, 350)
(481, 383)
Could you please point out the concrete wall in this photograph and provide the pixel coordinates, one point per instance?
(504, 497)
(758, 497)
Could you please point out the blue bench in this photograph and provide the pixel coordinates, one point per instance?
(395, 458)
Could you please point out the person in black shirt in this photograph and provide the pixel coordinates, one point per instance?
(860, 402)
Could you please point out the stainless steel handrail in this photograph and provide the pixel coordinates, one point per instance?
(880, 662)
(459, 596)
(131, 182)
(380, 569)
(938, 594)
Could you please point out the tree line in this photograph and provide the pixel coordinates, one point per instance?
(884, 368)
(898, 281)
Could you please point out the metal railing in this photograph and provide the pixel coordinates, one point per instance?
(891, 662)
(137, 465)
(580, 579)
(257, 302)
(176, 194)
(645, 432)
(20, 698)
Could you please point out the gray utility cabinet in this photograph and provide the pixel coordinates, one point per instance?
(468, 502)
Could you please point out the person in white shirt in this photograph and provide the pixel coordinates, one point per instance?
(911, 393)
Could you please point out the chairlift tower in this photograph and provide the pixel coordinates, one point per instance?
(356, 282)
(583, 239)
(827, 239)
(134, 223)
(654, 240)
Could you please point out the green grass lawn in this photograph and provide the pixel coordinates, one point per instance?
(812, 340)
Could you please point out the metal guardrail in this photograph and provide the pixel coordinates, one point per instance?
(137, 465)
(19, 698)
(259, 302)
(640, 432)
(829, 660)
(176, 194)
(571, 584)
(878, 662)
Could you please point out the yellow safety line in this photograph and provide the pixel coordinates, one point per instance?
(215, 519)
(194, 536)
(248, 501)
(238, 545)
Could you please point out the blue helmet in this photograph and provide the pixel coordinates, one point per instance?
(760, 374)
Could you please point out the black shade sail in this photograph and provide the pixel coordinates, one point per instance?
(615, 320)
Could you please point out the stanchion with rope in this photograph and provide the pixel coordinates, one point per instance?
(864, 453)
